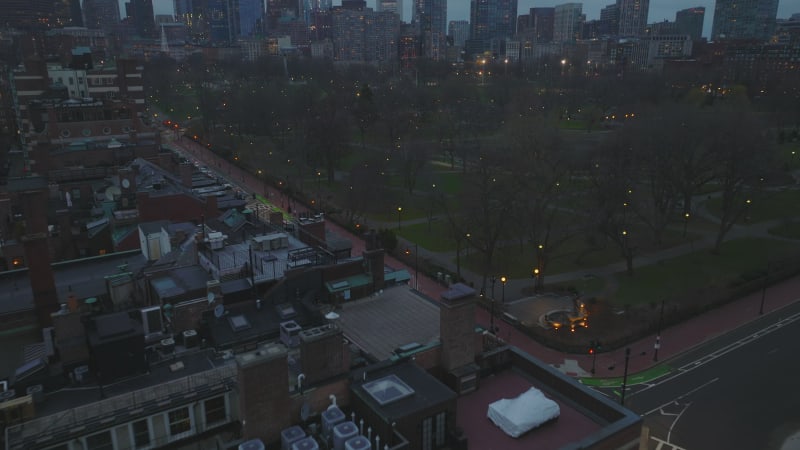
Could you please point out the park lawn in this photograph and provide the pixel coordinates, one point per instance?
(675, 277)
(790, 230)
(435, 237)
(772, 205)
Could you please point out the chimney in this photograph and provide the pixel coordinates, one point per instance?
(322, 353)
(263, 379)
(457, 327)
(186, 170)
(374, 259)
(37, 252)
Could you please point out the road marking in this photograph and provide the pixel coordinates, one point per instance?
(724, 350)
(662, 442)
(675, 401)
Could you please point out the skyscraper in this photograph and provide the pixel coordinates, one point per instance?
(632, 16)
(281, 9)
(566, 22)
(690, 21)
(430, 16)
(744, 19)
(395, 6)
(101, 14)
(141, 12)
(492, 22)
(458, 30)
(251, 16)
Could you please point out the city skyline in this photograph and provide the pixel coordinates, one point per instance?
(660, 10)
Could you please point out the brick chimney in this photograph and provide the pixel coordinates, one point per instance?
(185, 170)
(37, 252)
(312, 232)
(263, 377)
(457, 326)
(322, 353)
(70, 337)
(374, 260)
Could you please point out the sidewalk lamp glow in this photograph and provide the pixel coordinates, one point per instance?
(399, 214)
(503, 280)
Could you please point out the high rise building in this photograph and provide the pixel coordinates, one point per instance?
(251, 16)
(395, 6)
(278, 10)
(632, 17)
(492, 22)
(101, 14)
(566, 22)
(610, 16)
(690, 21)
(26, 14)
(360, 34)
(430, 16)
(458, 30)
(744, 19)
(141, 12)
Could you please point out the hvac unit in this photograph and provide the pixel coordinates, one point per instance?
(307, 443)
(7, 395)
(358, 443)
(252, 444)
(290, 332)
(330, 418)
(190, 338)
(291, 435)
(342, 433)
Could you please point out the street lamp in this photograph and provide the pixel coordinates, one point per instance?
(625, 376)
(657, 345)
(399, 214)
(493, 279)
(503, 280)
(416, 265)
(685, 222)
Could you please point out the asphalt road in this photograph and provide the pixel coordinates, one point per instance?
(739, 391)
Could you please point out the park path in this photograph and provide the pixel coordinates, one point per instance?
(674, 340)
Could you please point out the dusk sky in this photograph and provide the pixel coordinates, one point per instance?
(659, 9)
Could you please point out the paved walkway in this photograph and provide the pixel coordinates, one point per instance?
(674, 340)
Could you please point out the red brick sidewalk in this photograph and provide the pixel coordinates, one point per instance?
(674, 340)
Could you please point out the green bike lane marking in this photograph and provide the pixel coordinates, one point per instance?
(641, 377)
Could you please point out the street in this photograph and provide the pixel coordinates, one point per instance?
(736, 392)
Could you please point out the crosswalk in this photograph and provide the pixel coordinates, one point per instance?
(663, 445)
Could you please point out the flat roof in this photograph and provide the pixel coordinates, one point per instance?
(421, 390)
(572, 425)
(383, 322)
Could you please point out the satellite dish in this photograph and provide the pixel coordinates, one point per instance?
(219, 311)
(113, 193)
(126, 183)
(331, 316)
(210, 297)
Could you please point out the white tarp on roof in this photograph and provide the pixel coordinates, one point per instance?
(527, 411)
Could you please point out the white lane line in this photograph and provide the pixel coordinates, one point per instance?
(669, 433)
(661, 443)
(675, 401)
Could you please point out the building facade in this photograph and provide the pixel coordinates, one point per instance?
(690, 21)
(744, 19)
(566, 22)
(430, 16)
(632, 17)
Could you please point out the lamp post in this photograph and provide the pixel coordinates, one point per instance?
(625, 376)
(399, 215)
(493, 279)
(657, 344)
(685, 222)
(763, 292)
(503, 280)
(416, 265)
(319, 178)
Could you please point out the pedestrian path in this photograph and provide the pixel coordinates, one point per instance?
(674, 340)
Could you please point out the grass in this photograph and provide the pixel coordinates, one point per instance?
(435, 238)
(790, 230)
(773, 205)
(701, 269)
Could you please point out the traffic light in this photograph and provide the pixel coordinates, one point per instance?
(592, 347)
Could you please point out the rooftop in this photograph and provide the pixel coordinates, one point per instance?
(384, 322)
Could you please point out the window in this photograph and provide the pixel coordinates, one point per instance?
(179, 423)
(140, 431)
(215, 410)
(441, 428)
(76, 194)
(427, 433)
(71, 81)
(100, 441)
